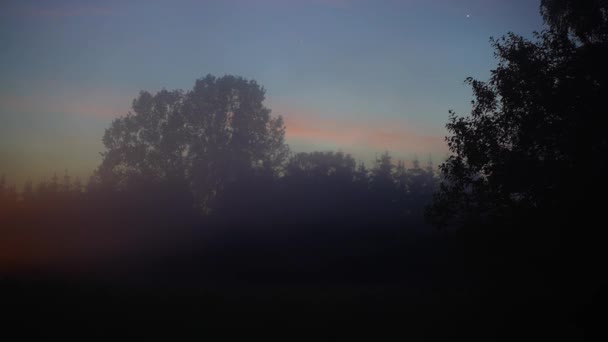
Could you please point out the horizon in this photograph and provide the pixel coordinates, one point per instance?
(355, 76)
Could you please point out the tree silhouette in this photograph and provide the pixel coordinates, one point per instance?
(216, 133)
(382, 172)
(319, 165)
(322, 184)
(534, 128)
(8, 196)
(587, 20)
(525, 184)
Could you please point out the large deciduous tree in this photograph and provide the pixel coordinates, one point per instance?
(216, 133)
(535, 140)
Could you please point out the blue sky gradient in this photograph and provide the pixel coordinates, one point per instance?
(355, 75)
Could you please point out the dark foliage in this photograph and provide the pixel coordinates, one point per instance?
(586, 19)
(326, 243)
(217, 133)
(525, 184)
(532, 140)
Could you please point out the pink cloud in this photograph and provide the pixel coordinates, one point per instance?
(92, 108)
(98, 104)
(308, 126)
(303, 126)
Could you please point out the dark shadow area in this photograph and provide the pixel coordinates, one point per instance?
(326, 244)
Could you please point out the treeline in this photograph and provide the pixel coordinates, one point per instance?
(318, 197)
(318, 188)
(185, 165)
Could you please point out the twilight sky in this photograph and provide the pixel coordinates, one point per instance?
(360, 76)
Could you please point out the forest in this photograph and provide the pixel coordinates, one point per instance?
(201, 217)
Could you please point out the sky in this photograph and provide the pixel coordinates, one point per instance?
(358, 76)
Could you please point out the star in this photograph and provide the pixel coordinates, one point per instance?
(468, 15)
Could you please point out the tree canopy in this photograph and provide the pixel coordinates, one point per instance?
(586, 19)
(218, 132)
(535, 135)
